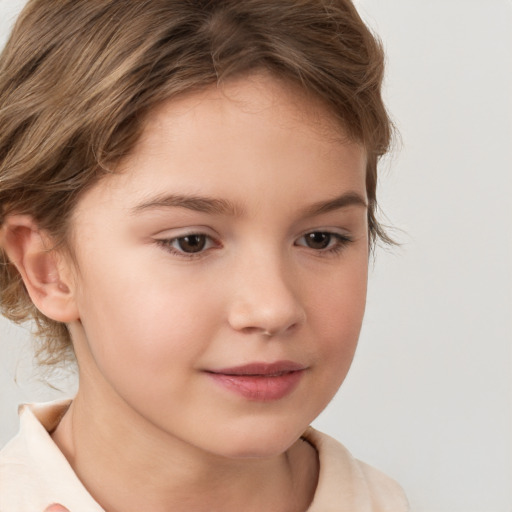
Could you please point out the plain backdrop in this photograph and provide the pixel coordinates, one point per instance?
(429, 397)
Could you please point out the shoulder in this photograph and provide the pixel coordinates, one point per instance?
(347, 484)
(22, 482)
(33, 471)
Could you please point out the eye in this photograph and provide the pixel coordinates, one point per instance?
(188, 245)
(324, 241)
(318, 240)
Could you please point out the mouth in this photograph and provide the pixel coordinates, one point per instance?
(262, 382)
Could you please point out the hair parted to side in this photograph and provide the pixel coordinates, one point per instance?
(77, 78)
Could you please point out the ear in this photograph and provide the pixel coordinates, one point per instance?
(46, 274)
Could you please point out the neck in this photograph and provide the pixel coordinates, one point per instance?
(128, 464)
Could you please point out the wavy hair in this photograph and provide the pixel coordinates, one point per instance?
(77, 78)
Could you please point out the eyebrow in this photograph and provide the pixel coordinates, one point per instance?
(218, 206)
(197, 203)
(337, 203)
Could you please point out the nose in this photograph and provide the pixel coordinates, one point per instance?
(265, 298)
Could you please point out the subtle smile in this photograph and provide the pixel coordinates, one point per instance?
(261, 382)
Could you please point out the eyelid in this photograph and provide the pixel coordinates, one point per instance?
(342, 240)
(335, 231)
(166, 242)
(179, 232)
(340, 237)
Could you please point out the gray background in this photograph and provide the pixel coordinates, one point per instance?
(429, 397)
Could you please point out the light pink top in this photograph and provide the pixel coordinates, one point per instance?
(34, 473)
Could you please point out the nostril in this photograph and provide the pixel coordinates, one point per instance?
(268, 333)
(258, 330)
(265, 311)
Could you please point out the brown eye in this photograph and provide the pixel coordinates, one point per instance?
(318, 240)
(191, 243)
(325, 243)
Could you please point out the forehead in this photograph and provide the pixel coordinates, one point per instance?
(249, 139)
(254, 98)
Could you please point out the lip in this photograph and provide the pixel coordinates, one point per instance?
(261, 382)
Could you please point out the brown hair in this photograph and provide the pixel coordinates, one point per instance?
(78, 76)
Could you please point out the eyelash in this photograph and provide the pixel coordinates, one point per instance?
(341, 242)
(167, 243)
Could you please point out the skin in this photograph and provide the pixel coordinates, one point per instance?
(149, 428)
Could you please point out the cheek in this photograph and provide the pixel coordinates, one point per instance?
(337, 317)
(138, 342)
(143, 320)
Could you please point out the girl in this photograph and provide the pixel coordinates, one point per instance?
(188, 195)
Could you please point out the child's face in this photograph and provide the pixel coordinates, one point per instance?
(235, 233)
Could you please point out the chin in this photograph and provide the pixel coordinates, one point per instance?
(260, 441)
(256, 451)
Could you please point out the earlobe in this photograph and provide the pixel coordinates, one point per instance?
(46, 276)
